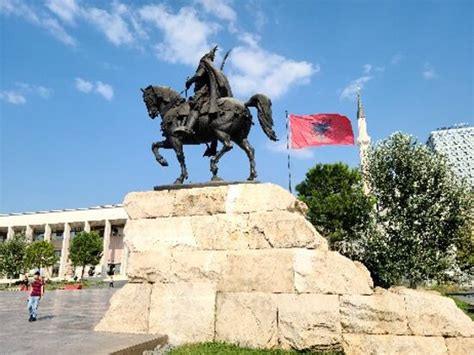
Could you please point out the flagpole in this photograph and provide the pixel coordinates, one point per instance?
(288, 150)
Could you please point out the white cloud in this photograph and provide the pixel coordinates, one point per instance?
(18, 95)
(66, 10)
(105, 90)
(350, 91)
(254, 8)
(13, 97)
(185, 36)
(253, 70)
(429, 72)
(367, 68)
(100, 88)
(36, 17)
(84, 85)
(42, 91)
(111, 24)
(396, 59)
(280, 147)
(219, 8)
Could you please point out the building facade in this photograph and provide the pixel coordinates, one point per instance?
(60, 227)
(457, 144)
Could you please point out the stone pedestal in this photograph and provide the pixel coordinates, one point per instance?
(241, 264)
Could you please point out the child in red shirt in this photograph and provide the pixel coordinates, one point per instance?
(37, 291)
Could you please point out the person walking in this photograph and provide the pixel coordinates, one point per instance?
(37, 291)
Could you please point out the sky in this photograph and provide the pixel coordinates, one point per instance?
(74, 131)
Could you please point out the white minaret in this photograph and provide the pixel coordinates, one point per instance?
(363, 140)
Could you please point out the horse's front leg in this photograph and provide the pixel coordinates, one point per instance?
(177, 145)
(155, 148)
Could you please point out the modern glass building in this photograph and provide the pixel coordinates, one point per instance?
(457, 143)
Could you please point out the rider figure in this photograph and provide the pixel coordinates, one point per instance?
(210, 83)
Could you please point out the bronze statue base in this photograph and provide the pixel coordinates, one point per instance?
(201, 184)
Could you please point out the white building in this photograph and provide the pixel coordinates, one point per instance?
(60, 226)
(457, 144)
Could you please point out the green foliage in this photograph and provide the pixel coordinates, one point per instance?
(12, 256)
(423, 219)
(228, 349)
(338, 207)
(40, 254)
(85, 249)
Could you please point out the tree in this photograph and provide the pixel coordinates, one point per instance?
(12, 256)
(40, 254)
(338, 207)
(424, 215)
(85, 249)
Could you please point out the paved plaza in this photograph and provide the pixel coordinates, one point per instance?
(65, 324)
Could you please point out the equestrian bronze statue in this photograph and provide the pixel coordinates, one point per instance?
(211, 115)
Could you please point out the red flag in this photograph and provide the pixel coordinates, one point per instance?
(320, 129)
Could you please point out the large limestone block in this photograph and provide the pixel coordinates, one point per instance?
(200, 201)
(269, 270)
(329, 272)
(283, 229)
(184, 311)
(159, 233)
(225, 231)
(149, 266)
(381, 313)
(460, 346)
(183, 202)
(431, 314)
(258, 230)
(211, 200)
(247, 319)
(128, 311)
(309, 321)
(245, 198)
(361, 344)
(149, 204)
(199, 265)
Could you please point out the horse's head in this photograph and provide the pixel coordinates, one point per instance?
(152, 101)
(159, 99)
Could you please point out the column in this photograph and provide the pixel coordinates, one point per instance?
(47, 238)
(87, 227)
(105, 255)
(47, 232)
(29, 233)
(65, 250)
(10, 233)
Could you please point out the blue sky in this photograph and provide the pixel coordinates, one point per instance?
(74, 130)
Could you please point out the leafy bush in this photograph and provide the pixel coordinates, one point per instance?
(338, 207)
(85, 249)
(423, 218)
(12, 256)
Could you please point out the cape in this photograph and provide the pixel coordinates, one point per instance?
(218, 84)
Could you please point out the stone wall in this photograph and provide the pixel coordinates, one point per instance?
(241, 264)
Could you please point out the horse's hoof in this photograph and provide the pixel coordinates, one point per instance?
(252, 177)
(216, 178)
(162, 162)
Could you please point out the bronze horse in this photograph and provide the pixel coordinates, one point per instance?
(231, 124)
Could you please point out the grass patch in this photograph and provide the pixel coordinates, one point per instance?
(59, 285)
(228, 349)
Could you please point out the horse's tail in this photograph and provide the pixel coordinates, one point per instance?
(264, 108)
